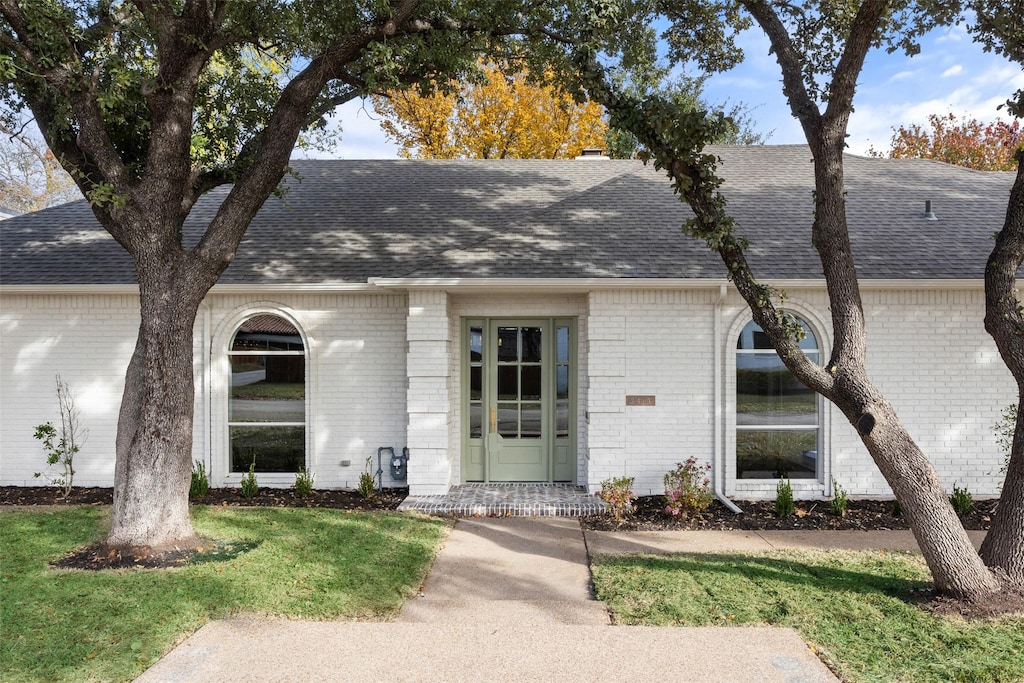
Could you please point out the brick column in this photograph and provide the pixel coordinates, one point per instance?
(606, 397)
(428, 400)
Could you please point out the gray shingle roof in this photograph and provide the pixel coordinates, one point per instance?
(347, 221)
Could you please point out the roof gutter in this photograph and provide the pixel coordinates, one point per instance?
(376, 284)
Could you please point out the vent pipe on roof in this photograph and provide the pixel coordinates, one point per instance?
(592, 153)
(928, 215)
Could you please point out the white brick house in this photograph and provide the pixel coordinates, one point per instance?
(526, 321)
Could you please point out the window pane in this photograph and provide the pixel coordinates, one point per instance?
(508, 344)
(268, 389)
(767, 393)
(563, 381)
(531, 421)
(508, 420)
(562, 338)
(531, 344)
(475, 422)
(475, 382)
(562, 419)
(531, 383)
(476, 344)
(267, 333)
(789, 454)
(272, 449)
(508, 382)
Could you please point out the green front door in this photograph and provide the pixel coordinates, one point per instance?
(519, 400)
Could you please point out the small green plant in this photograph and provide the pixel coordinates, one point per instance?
(897, 509)
(366, 488)
(249, 485)
(1004, 430)
(839, 501)
(784, 498)
(961, 500)
(200, 482)
(687, 489)
(62, 445)
(303, 483)
(618, 493)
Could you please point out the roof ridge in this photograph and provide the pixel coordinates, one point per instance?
(529, 218)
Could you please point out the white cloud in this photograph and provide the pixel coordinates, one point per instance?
(953, 71)
(901, 76)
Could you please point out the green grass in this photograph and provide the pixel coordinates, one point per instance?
(268, 390)
(112, 625)
(859, 610)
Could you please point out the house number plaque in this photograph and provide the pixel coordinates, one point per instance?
(639, 400)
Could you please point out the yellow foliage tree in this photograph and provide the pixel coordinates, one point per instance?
(500, 117)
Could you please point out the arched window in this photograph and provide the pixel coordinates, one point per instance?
(267, 410)
(778, 419)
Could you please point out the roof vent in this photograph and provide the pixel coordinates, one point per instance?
(928, 215)
(592, 153)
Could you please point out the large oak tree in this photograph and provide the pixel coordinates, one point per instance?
(820, 47)
(151, 104)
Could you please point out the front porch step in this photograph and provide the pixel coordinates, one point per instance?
(509, 500)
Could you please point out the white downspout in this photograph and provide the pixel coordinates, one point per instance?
(718, 480)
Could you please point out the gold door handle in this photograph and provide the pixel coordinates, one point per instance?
(494, 419)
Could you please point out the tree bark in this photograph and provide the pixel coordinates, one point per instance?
(154, 440)
(1004, 319)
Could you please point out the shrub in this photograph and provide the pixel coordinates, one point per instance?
(961, 500)
(366, 487)
(618, 493)
(839, 501)
(303, 483)
(897, 509)
(200, 482)
(61, 446)
(249, 486)
(686, 488)
(784, 498)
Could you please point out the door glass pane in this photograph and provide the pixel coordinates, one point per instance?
(475, 421)
(508, 349)
(508, 420)
(270, 449)
(562, 337)
(531, 421)
(791, 454)
(475, 382)
(508, 382)
(531, 383)
(476, 344)
(531, 345)
(563, 381)
(562, 419)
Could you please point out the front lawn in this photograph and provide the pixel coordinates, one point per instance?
(112, 625)
(859, 610)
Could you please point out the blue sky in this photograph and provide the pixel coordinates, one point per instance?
(951, 74)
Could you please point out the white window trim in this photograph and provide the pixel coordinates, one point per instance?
(220, 458)
(766, 488)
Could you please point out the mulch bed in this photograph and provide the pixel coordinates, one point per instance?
(345, 499)
(861, 515)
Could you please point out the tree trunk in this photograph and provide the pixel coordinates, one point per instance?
(955, 566)
(1003, 547)
(154, 440)
(1004, 320)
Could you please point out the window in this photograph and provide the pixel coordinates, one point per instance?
(267, 409)
(778, 419)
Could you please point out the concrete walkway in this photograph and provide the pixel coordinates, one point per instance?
(506, 600)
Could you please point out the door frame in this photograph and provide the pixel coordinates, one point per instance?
(561, 451)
